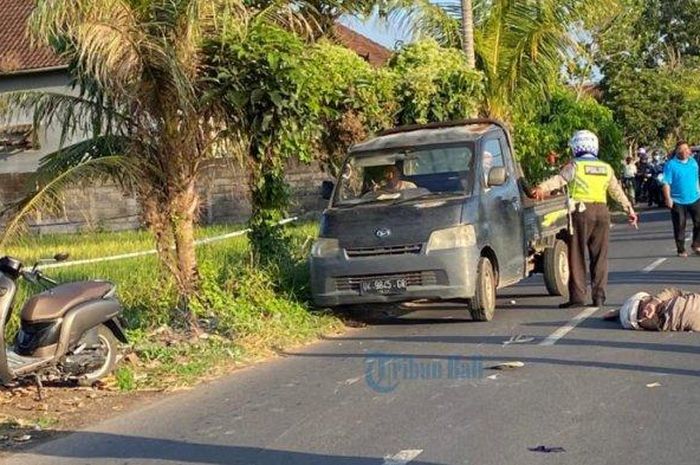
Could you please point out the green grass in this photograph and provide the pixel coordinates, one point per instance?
(125, 378)
(99, 244)
(247, 312)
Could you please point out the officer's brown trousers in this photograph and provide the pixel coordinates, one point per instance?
(591, 232)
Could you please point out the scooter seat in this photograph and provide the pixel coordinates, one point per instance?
(55, 302)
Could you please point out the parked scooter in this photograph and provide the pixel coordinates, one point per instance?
(70, 331)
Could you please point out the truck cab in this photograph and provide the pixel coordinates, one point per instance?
(433, 212)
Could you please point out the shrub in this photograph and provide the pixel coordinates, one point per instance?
(551, 127)
(355, 99)
(434, 84)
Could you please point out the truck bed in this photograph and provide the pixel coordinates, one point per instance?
(544, 220)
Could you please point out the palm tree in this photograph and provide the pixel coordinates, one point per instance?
(468, 31)
(520, 45)
(142, 97)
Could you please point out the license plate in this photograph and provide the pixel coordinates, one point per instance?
(383, 286)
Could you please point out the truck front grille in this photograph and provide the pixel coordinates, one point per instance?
(385, 250)
(415, 278)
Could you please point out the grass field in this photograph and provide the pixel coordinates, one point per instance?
(246, 312)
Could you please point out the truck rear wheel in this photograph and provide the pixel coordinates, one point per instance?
(556, 268)
(483, 306)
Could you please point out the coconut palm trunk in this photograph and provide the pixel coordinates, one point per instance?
(468, 32)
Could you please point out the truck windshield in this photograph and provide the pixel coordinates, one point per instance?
(406, 174)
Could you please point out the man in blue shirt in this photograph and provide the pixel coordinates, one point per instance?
(681, 188)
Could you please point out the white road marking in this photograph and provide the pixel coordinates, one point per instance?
(402, 457)
(564, 330)
(654, 265)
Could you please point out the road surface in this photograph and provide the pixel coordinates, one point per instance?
(589, 392)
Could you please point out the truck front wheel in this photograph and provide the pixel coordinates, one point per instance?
(483, 306)
(556, 268)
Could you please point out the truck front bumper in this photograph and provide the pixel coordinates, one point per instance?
(440, 275)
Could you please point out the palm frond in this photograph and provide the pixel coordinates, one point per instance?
(521, 45)
(47, 197)
(81, 152)
(117, 46)
(422, 18)
(288, 16)
(75, 115)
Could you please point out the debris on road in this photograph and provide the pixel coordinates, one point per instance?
(493, 377)
(519, 339)
(653, 385)
(546, 449)
(351, 381)
(507, 366)
(23, 438)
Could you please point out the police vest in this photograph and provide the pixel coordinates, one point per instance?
(591, 181)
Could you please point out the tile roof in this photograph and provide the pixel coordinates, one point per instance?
(371, 51)
(16, 52)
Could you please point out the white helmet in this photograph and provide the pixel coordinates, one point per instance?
(584, 142)
(628, 312)
(642, 151)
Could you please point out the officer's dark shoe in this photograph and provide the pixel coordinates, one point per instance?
(598, 303)
(571, 305)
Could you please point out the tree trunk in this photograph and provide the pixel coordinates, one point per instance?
(468, 33)
(155, 218)
(184, 207)
(172, 220)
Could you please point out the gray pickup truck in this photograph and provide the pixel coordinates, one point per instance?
(435, 213)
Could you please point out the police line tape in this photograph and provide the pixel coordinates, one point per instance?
(126, 256)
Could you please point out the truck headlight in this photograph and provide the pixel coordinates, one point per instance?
(452, 238)
(325, 247)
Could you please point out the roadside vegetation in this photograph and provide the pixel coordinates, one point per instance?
(244, 312)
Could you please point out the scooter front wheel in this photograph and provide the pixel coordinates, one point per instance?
(109, 345)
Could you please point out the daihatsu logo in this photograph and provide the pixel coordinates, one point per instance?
(382, 233)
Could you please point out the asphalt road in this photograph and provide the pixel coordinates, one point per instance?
(589, 390)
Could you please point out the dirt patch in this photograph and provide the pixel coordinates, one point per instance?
(26, 420)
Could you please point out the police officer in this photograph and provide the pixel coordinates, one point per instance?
(590, 180)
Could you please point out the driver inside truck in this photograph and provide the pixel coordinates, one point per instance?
(391, 181)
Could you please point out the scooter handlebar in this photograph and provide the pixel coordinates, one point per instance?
(35, 276)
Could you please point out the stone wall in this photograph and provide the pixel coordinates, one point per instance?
(223, 188)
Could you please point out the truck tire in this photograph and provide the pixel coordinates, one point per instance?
(483, 306)
(556, 268)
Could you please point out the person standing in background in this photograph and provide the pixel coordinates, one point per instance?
(642, 174)
(629, 179)
(681, 190)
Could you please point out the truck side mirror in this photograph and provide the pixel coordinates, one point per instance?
(327, 189)
(497, 176)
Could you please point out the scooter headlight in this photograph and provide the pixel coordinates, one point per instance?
(452, 238)
(325, 247)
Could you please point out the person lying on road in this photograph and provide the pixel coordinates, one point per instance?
(670, 310)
